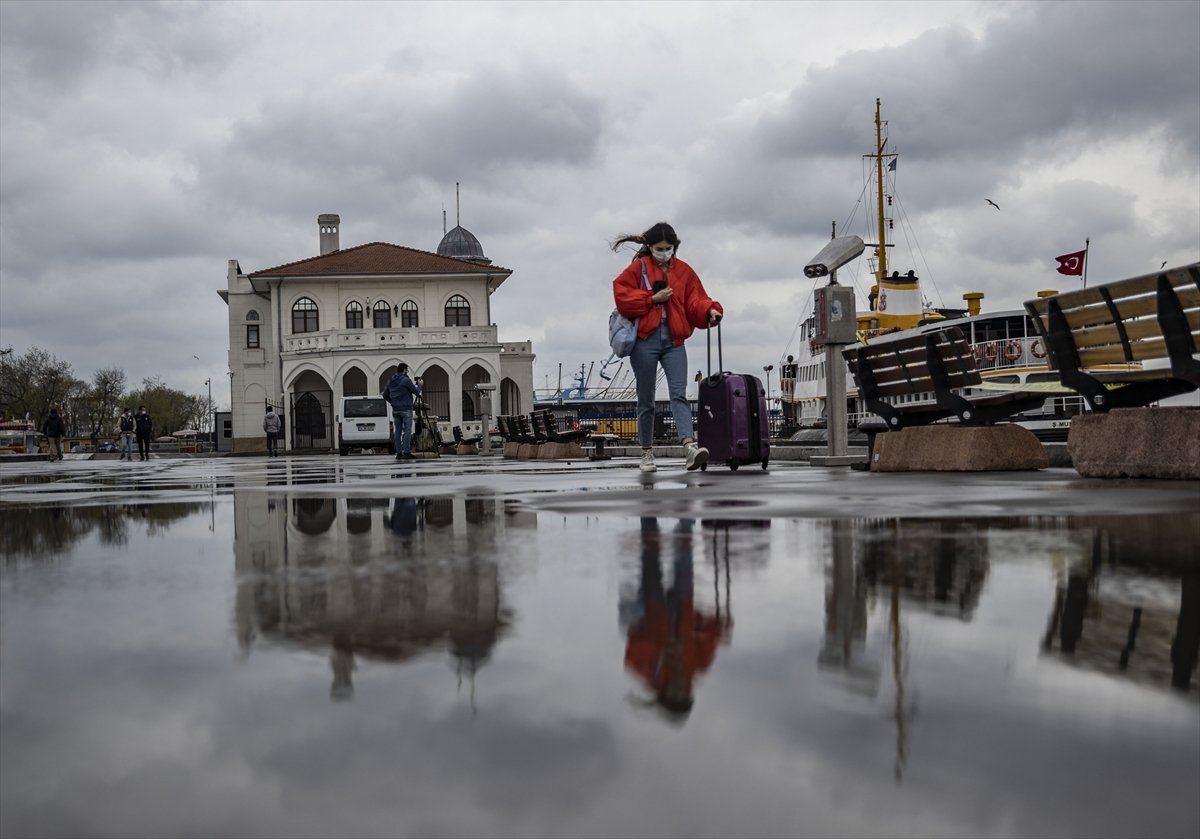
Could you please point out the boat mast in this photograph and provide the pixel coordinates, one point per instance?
(879, 193)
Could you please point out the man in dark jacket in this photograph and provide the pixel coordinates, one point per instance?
(399, 393)
(54, 429)
(144, 427)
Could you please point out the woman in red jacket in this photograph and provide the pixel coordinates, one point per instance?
(665, 293)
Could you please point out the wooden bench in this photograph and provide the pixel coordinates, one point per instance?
(550, 425)
(912, 380)
(1147, 318)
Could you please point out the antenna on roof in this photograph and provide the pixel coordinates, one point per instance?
(443, 221)
(457, 207)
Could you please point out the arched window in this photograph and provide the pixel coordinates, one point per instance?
(383, 315)
(408, 314)
(354, 315)
(252, 315)
(458, 311)
(304, 316)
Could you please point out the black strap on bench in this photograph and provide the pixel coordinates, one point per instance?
(1118, 321)
(1177, 334)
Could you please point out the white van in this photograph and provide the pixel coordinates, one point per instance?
(364, 422)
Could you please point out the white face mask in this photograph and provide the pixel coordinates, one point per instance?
(663, 256)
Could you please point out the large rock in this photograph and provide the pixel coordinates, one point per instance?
(1137, 443)
(958, 448)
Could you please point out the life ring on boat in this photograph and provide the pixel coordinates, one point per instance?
(989, 351)
(1036, 349)
(812, 346)
(1012, 351)
(977, 351)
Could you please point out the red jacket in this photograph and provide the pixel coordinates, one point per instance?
(687, 310)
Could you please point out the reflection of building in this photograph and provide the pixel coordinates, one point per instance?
(304, 334)
(378, 578)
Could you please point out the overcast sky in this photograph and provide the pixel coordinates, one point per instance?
(142, 145)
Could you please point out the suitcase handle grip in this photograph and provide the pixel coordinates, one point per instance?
(720, 355)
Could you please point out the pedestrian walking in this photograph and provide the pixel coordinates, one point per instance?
(399, 393)
(666, 297)
(54, 429)
(271, 425)
(127, 429)
(144, 430)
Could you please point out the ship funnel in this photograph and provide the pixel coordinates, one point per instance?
(973, 299)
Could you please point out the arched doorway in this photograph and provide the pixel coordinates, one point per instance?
(386, 376)
(510, 398)
(471, 398)
(312, 412)
(354, 382)
(436, 391)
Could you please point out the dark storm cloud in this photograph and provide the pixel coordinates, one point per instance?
(56, 45)
(1042, 85)
(385, 139)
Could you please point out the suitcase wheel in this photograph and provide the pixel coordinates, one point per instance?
(733, 465)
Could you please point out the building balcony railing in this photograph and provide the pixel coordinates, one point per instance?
(383, 339)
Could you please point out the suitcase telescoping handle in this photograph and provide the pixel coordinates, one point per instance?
(720, 355)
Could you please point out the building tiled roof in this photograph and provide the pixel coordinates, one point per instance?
(378, 258)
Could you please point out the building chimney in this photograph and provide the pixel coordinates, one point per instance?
(328, 223)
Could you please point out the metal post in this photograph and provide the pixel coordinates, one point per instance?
(835, 394)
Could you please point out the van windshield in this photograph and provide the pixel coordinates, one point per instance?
(365, 408)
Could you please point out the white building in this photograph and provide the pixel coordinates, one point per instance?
(304, 334)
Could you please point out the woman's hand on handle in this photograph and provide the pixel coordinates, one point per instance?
(714, 317)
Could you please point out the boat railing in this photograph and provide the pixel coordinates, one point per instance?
(1005, 353)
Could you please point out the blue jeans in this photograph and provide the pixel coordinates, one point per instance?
(402, 434)
(657, 348)
(127, 444)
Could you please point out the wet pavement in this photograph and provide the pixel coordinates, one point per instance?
(469, 646)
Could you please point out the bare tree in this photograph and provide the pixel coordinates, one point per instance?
(32, 383)
(108, 386)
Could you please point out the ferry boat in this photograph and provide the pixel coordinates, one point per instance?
(1009, 353)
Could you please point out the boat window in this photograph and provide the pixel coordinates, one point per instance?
(1042, 377)
(1005, 380)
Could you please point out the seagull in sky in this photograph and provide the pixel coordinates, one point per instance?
(1164, 265)
(993, 203)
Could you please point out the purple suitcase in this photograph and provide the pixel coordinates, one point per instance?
(731, 419)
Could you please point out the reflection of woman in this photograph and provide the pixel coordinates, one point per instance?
(672, 642)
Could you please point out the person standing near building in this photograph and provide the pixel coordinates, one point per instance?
(399, 393)
(271, 425)
(127, 427)
(666, 295)
(144, 429)
(54, 429)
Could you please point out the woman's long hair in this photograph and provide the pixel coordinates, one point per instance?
(661, 232)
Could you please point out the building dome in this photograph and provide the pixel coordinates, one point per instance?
(461, 243)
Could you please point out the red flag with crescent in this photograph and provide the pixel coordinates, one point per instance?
(1071, 264)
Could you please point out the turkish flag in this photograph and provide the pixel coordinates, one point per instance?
(1071, 264)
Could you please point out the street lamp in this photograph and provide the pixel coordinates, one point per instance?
(208, 408)
(768, 370)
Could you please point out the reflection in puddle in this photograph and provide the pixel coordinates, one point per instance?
(385, 579)
(820, 677)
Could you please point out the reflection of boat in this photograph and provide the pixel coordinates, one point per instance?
(1007, 348)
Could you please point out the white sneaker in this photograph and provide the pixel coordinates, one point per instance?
(648, 461)
(697, 456)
